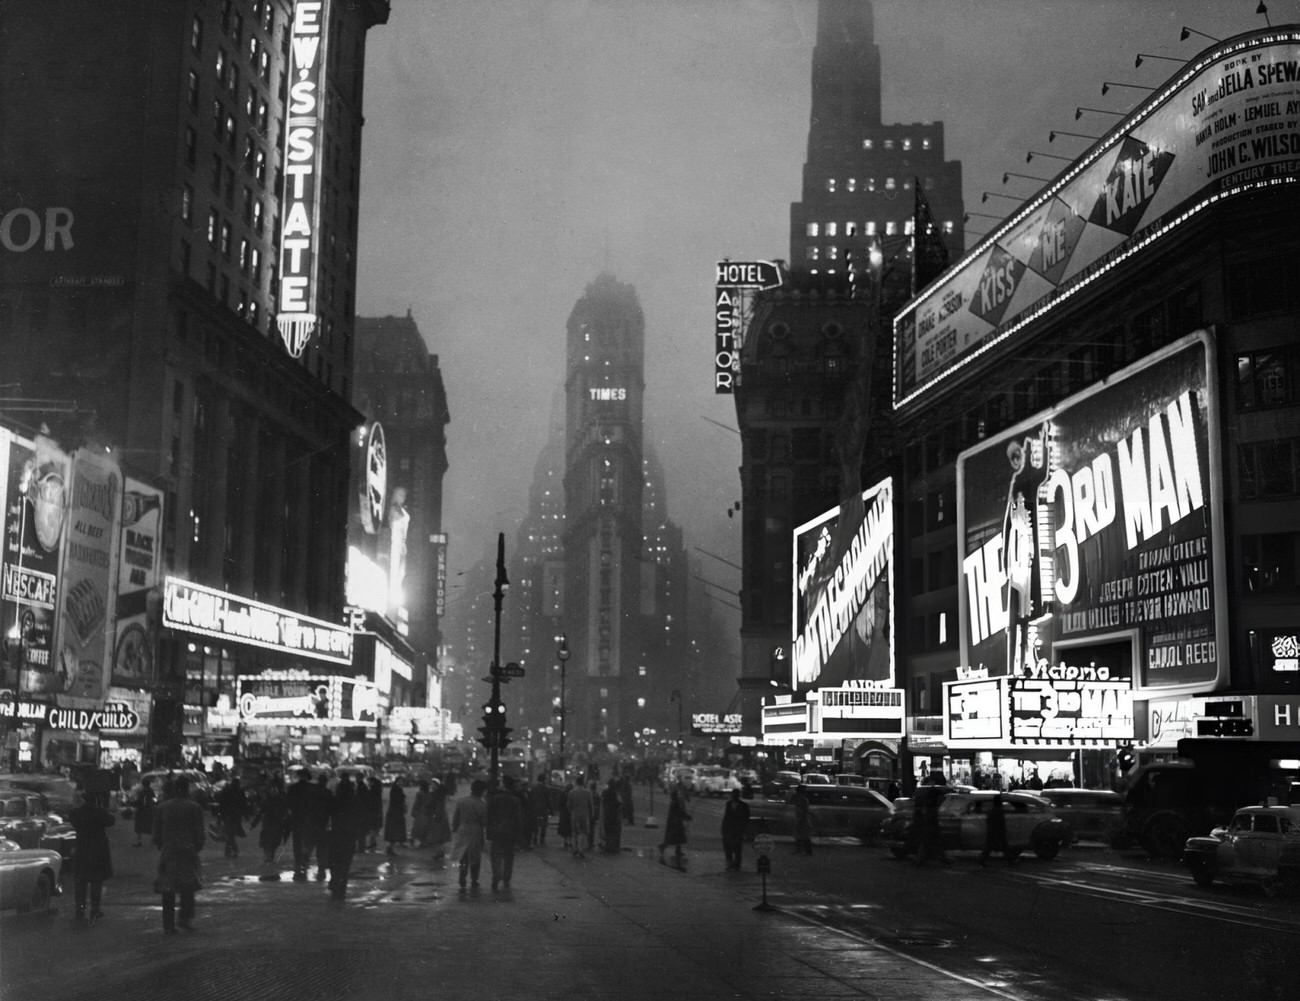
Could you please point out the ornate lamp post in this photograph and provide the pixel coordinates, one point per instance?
(562, 655)
(496, 735)
(676, 696)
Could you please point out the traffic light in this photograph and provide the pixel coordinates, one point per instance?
(494, 730)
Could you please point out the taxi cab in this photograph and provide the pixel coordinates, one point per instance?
(1260, 845)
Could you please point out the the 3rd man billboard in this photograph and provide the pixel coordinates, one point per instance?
(1098, 522)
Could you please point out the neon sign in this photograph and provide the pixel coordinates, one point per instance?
(296, 316)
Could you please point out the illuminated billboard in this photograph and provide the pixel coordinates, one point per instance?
(298, 698)
(139, 573)
(1224, 125)
(1097, 523)
(300, 229)
(1053, 707)
(843, 595)
(194, 608)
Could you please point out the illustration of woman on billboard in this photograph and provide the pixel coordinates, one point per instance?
(1027, 459)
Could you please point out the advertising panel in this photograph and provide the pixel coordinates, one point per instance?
(715, 724)
(83, 632)
(299, 232)
(194, 608)
(35, 480)
(1058, 707)
(139, 574)
(1099, 520)
(298, 698)
(843, 597)
(851, 711)
(1225, 124)
(438, 542)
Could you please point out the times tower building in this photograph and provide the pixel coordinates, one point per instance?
(604, 395)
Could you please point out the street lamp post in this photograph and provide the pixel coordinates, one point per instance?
(494, 729)
(562, 654)
(676, 696)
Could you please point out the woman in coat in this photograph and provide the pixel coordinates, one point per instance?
(92, 862)
(395, 819)
(420, 815)
(439, 825)
(274, 820)
(564, 822)
(675, 825)
(145, 802)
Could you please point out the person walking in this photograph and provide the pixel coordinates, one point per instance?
(995, 832)
(179, 835)
(675, 825)
(468, 827)
(347, 814)
(802, 820)
(625, 797)
(395, 818)
(504, 818)
(374, 815)
(439, 828)
(420, 816)
(539, 804)
(274, 820)
(925, 816)
(611, 812)
(232, 807)
(145, 802)
(564, 819)
(582, 807)
(298, 800)
(735, 817)
(92, 861)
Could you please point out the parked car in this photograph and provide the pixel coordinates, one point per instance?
(1260, 845)
(851, 779)
(353, 772)
(1093, 814)
(679, 775)
(25, 817)
(395, 771)
(748, 779)
(835, 811)
(62, 794)
(816, 779)
(713, 780)
(29, 877)
(1032, 824)
(781, 785)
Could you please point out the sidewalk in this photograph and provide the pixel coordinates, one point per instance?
(624, 926)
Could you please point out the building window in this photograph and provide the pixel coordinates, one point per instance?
(925, 143)
(221, 65)
(1268, 378)
(907, 144)
(1268, 469)
(196, 34)
(185, 258)
(889, 144)
(187, 204)
(890, 185)
(871, 184)
(832, 229)
(1271, 562)
(257, 216)
(891, 228)
(852, 184)
(830, 185)
(191, 146)
(1265, 285)
(814, 252)
(813, 229)
(192, 91)
(868, 143)
(212, 227)
(225, 241)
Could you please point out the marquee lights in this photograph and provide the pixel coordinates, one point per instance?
(299, 234)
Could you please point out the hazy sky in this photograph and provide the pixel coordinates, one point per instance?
(514, 149)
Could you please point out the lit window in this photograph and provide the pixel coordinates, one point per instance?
(221, 64)
(192, 90)
(832, 253)
(196, 34)
(813, 229)
(889, 144)
(891, 229)
(871, 184)
(212, 226)
(925, 144)
(871, 228)
(907, 227)
(832, 229)
(947, 226)
(225, 241)
(907, 144)
(814, 253)
(850, 229)
(830, 185)
(889, 184)
(867, 143)
(852, 183)
(187, 203)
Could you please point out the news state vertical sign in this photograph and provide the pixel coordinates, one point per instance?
(1100, 521)
(138, 581)
(296, 313)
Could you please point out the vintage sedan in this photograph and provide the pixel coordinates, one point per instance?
(834, 810)
(1260, 845)
(1093, 814)
(25, 817)
(29, 877)
(1032, 824)
(712, 780)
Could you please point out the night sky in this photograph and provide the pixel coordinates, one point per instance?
(514, 149)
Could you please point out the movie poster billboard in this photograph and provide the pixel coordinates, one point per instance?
(843, 596)
(34, 476)
(1055, 707)
(83, 630)
(139, 574)
(1098, 522)
(1224, 125)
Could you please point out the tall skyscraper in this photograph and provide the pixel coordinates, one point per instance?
(603, 486)
(813, 390)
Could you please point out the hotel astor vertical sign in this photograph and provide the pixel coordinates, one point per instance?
(732, 278)
(299, 233)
